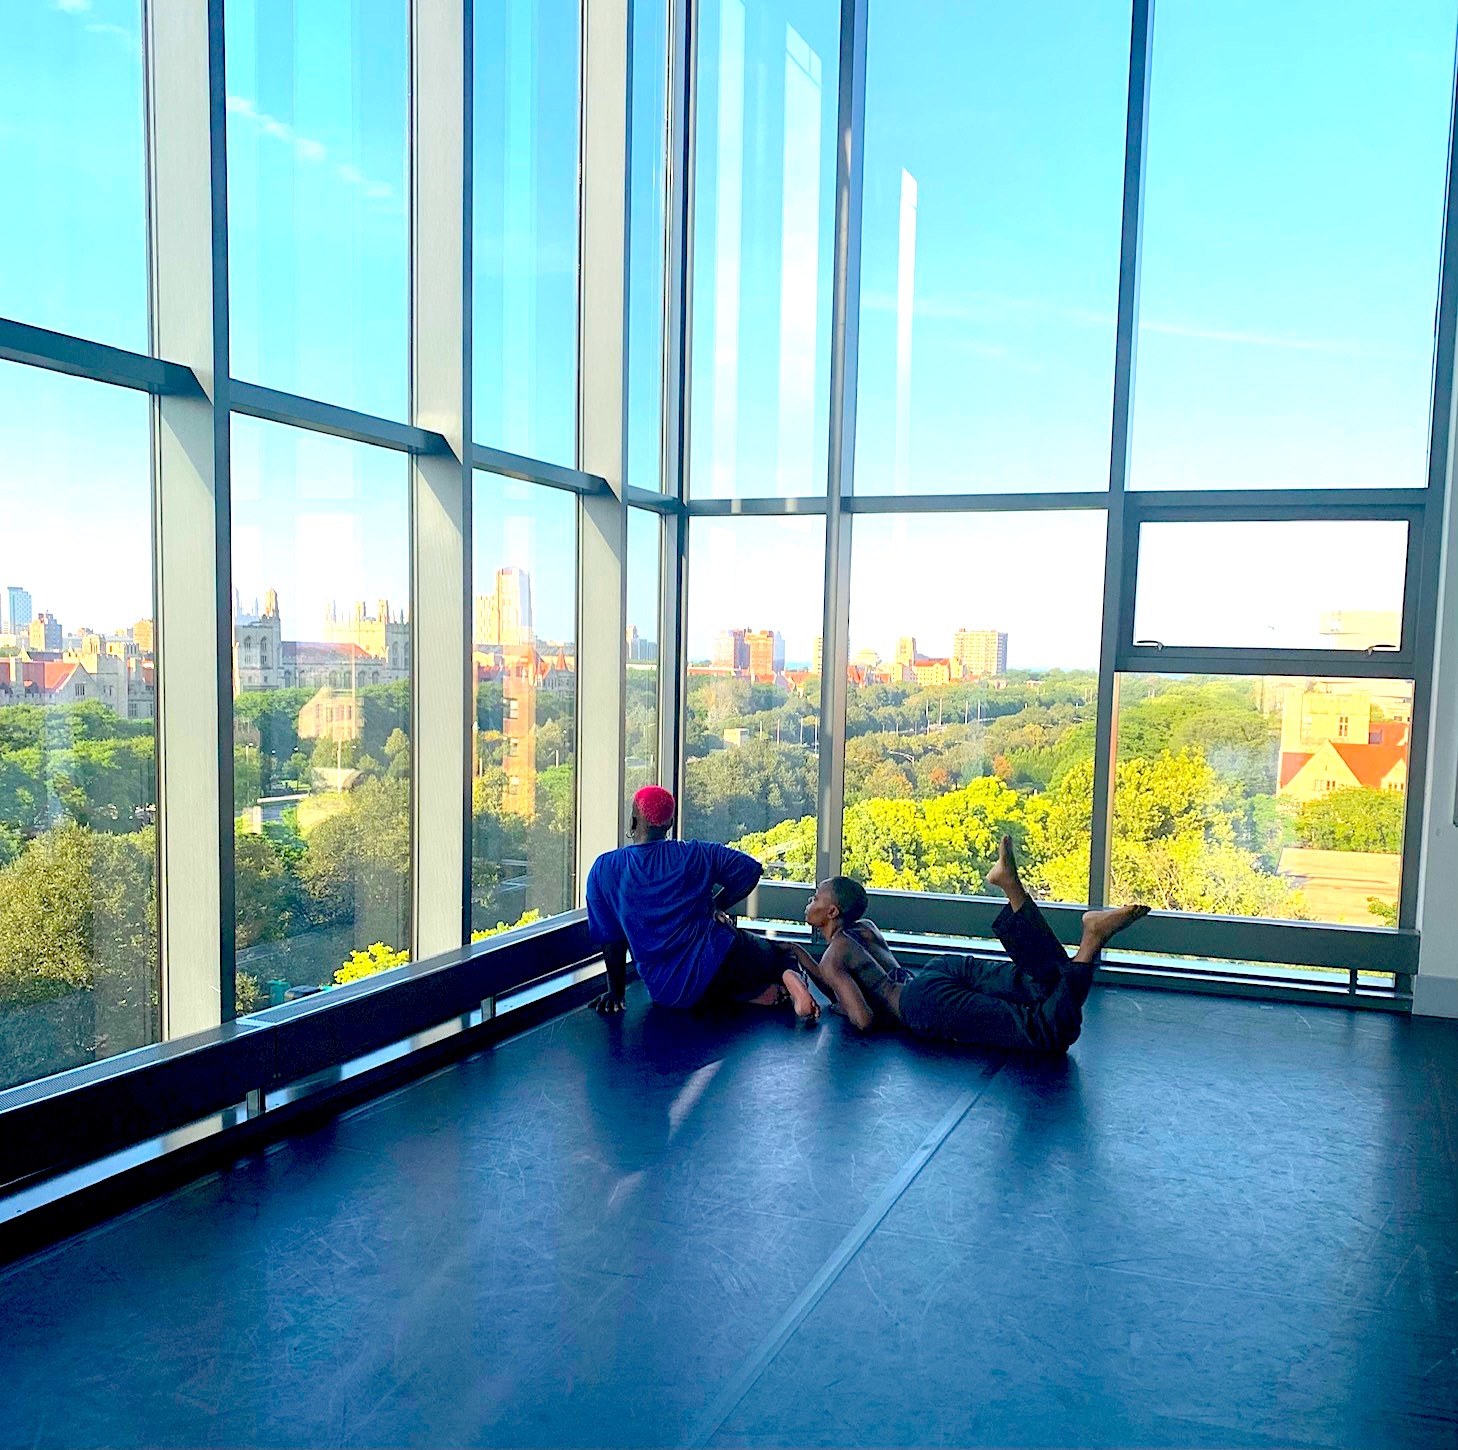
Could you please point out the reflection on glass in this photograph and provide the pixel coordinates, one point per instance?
(990, 246)
(645, 569)
(972, 700)
(321, 714)
(318, 227)
(1292, 220)
(752, 706)
(1312, 584)
(763, 234)
(1268, 797)
(79, 962)
(524, 790)
(73, 249)
(647, 200)
(524, 235)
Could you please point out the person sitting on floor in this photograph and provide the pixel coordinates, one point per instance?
(1034, 1000)
(666, 900)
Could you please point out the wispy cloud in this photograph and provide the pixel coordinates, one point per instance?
(131, 39)
(306, 148)
(986, 307)
(1250, 339)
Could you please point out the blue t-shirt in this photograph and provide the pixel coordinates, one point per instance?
(659, 898)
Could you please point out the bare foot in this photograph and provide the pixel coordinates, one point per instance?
(1099, 926)
(1004, 875)
(806, 1007)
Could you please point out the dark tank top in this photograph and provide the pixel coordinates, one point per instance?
(873, 979)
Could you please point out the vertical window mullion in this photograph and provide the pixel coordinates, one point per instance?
(1118, 541)
(189, 291)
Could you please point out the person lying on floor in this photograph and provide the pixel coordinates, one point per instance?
(666, 900)
(1034, 1000)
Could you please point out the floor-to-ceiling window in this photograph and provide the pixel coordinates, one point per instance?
(1138, 339)
(524, 537)
(1269, 685)
(319, 293)
(79, 954)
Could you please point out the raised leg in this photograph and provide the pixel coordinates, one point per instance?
(1100, 926)
(1004, 875)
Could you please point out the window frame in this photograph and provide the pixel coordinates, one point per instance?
(187, 373)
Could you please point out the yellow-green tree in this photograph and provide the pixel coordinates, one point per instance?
(377, 957)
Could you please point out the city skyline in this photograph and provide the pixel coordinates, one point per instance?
(1316, 625)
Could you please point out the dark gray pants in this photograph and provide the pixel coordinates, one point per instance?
(752, 964)
(1034, 1000)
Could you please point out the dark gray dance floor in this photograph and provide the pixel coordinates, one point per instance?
(1218, 1223)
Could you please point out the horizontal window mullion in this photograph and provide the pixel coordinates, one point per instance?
(724, 508)
(1335, 664)
(313, 416)
(1216, 938)
(534, 470)
(973, 503)
(79, 357)
(1273, 505)
(652, 500)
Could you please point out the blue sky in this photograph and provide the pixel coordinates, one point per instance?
(1295, 177)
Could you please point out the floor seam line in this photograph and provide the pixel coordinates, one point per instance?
(754, 1366)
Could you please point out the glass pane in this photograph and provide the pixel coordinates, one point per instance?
(1292, 221)
(73, 250)
(645, 572)
(1310, 584)
(764, 221)
(79, 960)
(321, 715)
(647, 201)
(318, 185)
(524, 795)
(751, 768)
(990, 250)
(972, 700)
(525, 227)
(1268, 797)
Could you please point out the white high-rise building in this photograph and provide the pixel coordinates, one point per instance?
(981, 651)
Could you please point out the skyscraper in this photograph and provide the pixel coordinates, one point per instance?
(766, 648)
(981, 651)
(17, 609)
(504, 615)
(45, 632)
(731, 652)
(514, 605)
(640, 650)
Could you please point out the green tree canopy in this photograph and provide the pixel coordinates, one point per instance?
(78, 913)
(1353, 819)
